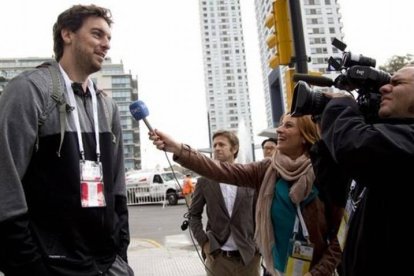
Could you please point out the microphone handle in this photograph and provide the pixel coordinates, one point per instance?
(148, 125)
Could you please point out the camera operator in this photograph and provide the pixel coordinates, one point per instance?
(378, 157)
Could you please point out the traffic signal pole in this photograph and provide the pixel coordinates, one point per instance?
(298, 37)
(287, 48)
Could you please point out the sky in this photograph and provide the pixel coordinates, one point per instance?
(159, 42)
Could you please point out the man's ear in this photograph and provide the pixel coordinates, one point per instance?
(235, 149)
(66, 35)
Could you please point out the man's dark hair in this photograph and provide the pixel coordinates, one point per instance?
(73, 19)
(269, 140)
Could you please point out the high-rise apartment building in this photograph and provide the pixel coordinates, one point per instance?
(113, 80)
(226, 84)
(123, 88)
(321, 23)
(11, 67)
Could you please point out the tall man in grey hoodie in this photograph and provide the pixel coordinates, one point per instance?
(62, 191)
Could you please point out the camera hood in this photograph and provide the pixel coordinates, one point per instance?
(307, 102)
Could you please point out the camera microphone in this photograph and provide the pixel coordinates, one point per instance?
(140, 111)
(313, 80)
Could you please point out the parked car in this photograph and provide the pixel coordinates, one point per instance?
(154, 186)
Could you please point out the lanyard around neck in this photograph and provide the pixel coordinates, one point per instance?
(299, 218)
(75, 113)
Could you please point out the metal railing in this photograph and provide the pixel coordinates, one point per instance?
(143, 195)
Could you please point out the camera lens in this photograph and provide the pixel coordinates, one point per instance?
(307, 102)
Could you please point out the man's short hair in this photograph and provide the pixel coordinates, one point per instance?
(269, 140)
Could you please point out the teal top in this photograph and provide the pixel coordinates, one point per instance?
(283, 213)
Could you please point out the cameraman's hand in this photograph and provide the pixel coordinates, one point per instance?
(340, 94)
(164, 142)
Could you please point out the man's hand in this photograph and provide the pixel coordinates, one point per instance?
(206, 248)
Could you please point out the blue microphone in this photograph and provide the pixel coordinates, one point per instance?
(140, 111)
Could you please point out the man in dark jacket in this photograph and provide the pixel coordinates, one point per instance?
(378, 157)
(62, 186)
(227, 242)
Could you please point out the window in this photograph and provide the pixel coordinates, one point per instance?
(317, 31)
(312, 2)
(313, 11)
(317, 40)
(157, 179)
(314, 21)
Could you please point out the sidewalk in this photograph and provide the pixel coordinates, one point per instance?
(148, 258)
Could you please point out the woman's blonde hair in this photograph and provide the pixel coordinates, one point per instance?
(307, 129)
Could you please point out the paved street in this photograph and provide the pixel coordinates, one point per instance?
(158, 245)
(155, 222)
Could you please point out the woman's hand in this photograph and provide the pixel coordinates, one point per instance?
(164, 142)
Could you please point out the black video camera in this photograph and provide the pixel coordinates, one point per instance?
(357, 72)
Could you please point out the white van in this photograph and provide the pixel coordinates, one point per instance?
(153, 187)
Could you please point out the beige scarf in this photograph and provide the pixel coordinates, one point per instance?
(300, 173)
